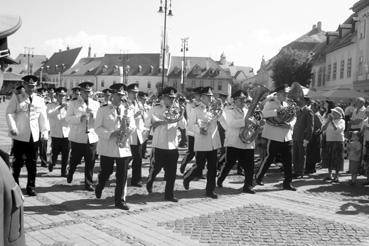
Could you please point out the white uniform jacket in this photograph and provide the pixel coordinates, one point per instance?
(190, 110)
(59, 127)
(77, 133)
(141, 130)
(276, 133)
(108, 121)
(235, 121)
(164, 136)
(27, 118)
(210, 141)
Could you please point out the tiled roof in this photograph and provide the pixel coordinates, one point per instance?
(85, 66)
(197, 67)
(360, 5)
(136, 64)
(59, 62)
(21, 67)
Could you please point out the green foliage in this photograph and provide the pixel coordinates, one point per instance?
(292, 66)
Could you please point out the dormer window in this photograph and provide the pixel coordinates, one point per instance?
(128, 68)
(151, 68)
(139, 68)
(115, 68)
(105, 68)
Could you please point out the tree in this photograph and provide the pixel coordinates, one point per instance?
(292, 66)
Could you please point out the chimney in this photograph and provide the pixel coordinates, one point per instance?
(314, 27)
(89, 51)
(95, 55)
(319, 26)
(67, 47)
(59, 50)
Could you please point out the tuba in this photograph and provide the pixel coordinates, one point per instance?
(124, 131)
(174, 113)
(249, 132)
(294, 100)
(215, 110)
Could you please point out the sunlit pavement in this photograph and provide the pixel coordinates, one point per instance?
(319, 213)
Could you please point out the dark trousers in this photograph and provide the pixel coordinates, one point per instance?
(107, 167)
(298, 155)
(273, 148)
(29, 149)
(313, 153)
(166, 159)
(88, 152)
(183, 141)
(60, 145)
(42, 148)
(190, 152)
(245, 158)
(202, 158)
(136, 163)
(144, 148)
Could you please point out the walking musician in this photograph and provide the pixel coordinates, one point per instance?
(279, 137)
(81, 115)
(165, 120)
(26, 118)
(114, 124)
(236, 150)
(207, 141)
(59, 130)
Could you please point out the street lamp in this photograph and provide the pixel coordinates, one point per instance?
(184, 49)
(166, 12)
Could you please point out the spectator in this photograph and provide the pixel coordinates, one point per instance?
(358, 115)
(334, 127)
(354, 154)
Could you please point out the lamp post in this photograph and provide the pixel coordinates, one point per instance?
(167, 12)
(184, 49)
(28, 51)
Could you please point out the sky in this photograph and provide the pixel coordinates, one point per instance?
(244, 30)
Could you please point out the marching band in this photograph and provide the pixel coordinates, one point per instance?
(117, 129)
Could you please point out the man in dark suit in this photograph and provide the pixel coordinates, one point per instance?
(302, 133)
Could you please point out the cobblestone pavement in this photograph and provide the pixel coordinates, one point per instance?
(319, 213)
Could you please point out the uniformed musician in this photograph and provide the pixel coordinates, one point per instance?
(113, 146)
(142, 99)
(207, 142)
(137, 138)
(26, 119)
(165, 143)
(107, 96)
(279, 139)
(190, 109)
(76, 93)
(236, 150)
(42, 143)
(81, 115)
(59, 130)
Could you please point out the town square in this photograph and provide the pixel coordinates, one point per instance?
(169, 122)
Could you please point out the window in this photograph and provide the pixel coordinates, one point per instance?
(313, 79)
(71, 84)
(175, 83)
(334, 75)
(220, 85)
(362, 29)
(329, 72)
(320, 75)
(201, 83)
(323, 77)
(342, 69)
(148, 85)
(102, 83)
(193, 83)
(349, 64)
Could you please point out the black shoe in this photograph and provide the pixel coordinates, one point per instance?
(248, 190)
(51, 167)
(149, 188)
(212, 195)
(219, 184)
(186, 184)
(43, 165)
(89, 188)
(297, 176)
(289, 187)
(31, 192)
(138, 184)
(69, 178)
(98, 192)
(63, 174)
(122, 205)
(259, 182)
(182, 168)
(171, 199)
